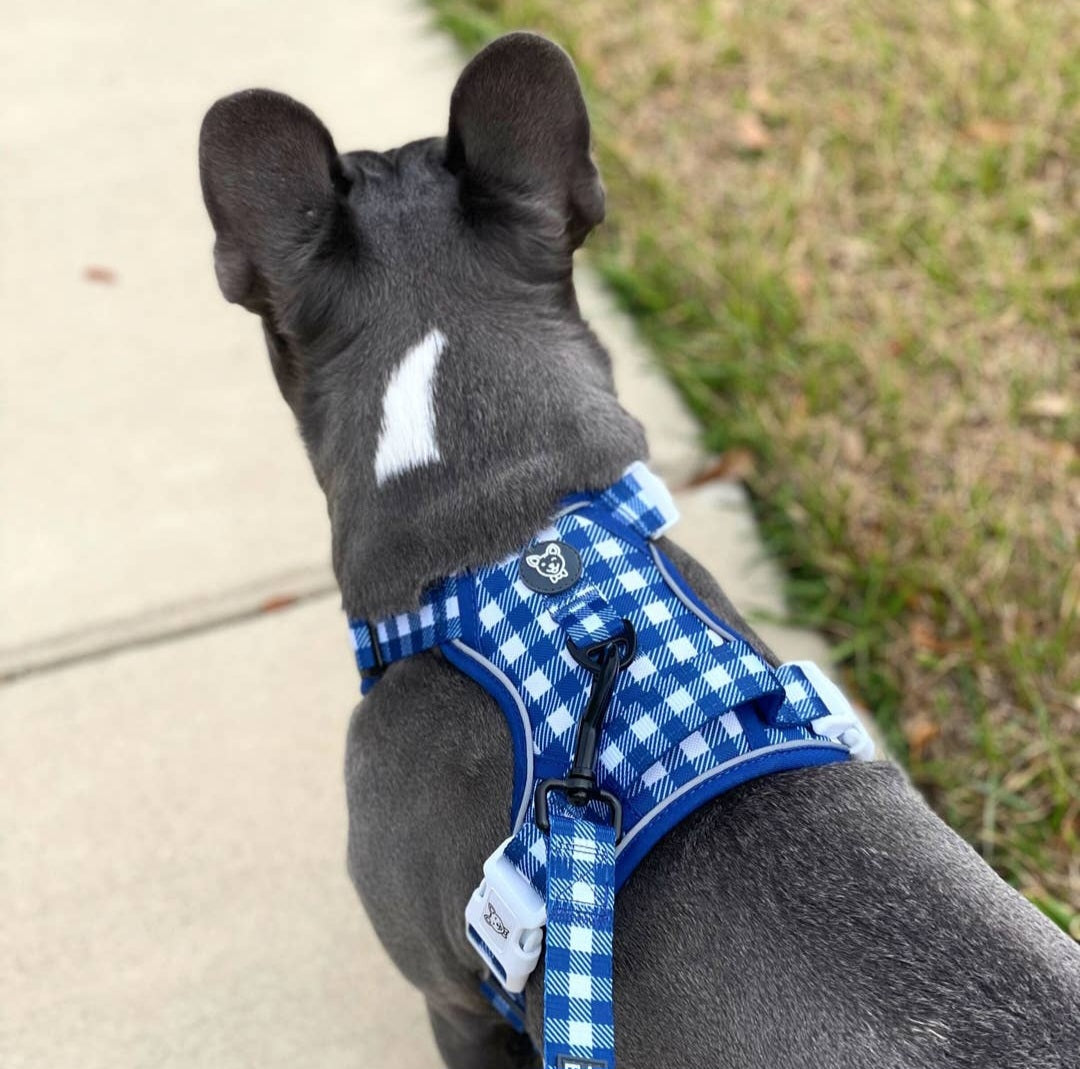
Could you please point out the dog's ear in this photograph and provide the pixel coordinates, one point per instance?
(519, 132)
(270, 178)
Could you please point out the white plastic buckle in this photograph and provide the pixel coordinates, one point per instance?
(504, 921)
(842, 723)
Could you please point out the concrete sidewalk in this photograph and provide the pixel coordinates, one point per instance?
(172, 861)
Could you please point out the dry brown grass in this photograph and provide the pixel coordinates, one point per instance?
(851, 231)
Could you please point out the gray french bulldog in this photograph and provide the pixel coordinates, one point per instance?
(822, 917)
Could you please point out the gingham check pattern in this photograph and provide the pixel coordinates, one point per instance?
(528, 850)
(438, 620)
(690, 700)
(584, 614)
(578, 1012)
(802, 703)
(639, 499)
(642, 501)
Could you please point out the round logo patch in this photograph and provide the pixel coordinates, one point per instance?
(550, 567)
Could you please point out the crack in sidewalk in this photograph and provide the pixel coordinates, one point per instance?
(165, 623)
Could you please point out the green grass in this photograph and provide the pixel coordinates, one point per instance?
(851, 231)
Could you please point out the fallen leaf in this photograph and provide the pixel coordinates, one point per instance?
(732, 465)
(751, 134)
(1048, 405)
(98, 273)
(990, 131)
(923, 637)
(919, 732)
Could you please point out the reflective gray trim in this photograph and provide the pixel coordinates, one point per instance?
(526, 798)
(733, 763)
(567, 509)
(674, 587)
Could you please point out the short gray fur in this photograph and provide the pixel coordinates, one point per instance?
(816, 918)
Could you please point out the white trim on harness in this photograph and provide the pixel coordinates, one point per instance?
(655, 490)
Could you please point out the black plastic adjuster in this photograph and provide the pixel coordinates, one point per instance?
(379, 665)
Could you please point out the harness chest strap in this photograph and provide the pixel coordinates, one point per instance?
(640, 501)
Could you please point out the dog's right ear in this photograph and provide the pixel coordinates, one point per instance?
(270, 178)
(519, 135)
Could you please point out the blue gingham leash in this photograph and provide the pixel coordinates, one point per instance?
(575, 881)
(579, 896)
(572, 892)
(579, 1012)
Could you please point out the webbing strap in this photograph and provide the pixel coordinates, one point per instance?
(436, 622)
(585, 615)
(511, 1008)
(810, 696)
(642, 501)
(579, 1022)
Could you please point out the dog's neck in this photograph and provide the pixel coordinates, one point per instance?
(465, 452)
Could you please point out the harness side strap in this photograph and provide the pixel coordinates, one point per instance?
(379, 643)
(812, 697)
(642, 501)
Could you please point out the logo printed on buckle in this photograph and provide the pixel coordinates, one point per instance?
(495, 922)
(565, 1061)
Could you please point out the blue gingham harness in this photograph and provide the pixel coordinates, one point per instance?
(688, 710)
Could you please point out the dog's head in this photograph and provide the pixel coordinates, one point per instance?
(420, 315)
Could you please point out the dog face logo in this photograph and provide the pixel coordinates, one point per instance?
(495, 922)
(550, 567)
(551, 564)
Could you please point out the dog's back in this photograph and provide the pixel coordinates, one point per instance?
(819, 918)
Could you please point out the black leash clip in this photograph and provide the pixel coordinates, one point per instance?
(605, 660)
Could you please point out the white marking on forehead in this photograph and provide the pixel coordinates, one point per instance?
(407, 434)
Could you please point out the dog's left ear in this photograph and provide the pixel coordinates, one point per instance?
(519, 135)
(270, 178)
